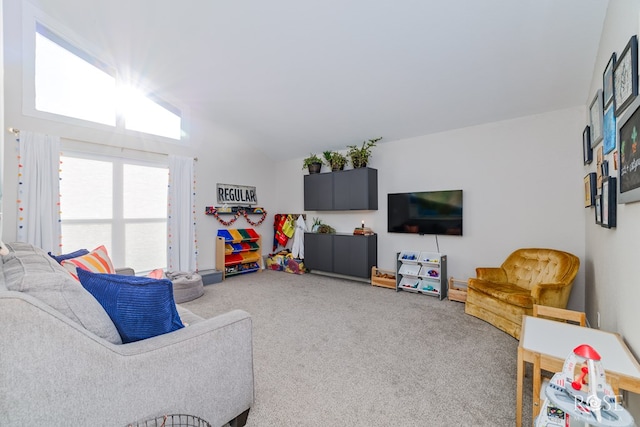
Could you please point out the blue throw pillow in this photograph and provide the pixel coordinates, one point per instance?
(140, 307)
(63, 257)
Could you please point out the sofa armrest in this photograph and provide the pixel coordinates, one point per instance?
(125, 271)
(492, 274)
(551, 294)
(54, 369)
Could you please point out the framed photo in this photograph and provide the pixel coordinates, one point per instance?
(625, 76)
(609, 129)
(608, 82)
(590, 190)
(587, 151)
(609, 202)
(595, 119)
(598, 209)
(629, 154)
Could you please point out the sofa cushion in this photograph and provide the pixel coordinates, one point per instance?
(140, 307)
(506, 292)
(97, 261)
(31, 270)
(74, 254)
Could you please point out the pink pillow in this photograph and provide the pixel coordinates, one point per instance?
(158, 273)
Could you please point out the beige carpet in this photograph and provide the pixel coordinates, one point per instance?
(333, 352)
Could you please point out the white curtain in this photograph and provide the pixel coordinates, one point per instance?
(38, 191)
(181, 223)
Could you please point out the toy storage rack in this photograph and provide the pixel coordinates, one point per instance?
(457, 290)
(238, 251)
(377, 280)
(422, 272)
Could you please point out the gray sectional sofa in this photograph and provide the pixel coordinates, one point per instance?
(61, 363)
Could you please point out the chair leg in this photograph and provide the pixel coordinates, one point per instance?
(240, 420)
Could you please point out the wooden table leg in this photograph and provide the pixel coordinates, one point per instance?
(536, 376)
(519, 387)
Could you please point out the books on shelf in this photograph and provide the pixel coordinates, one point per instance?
(363, 231)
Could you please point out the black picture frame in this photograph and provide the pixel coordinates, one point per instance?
(625, 76)
(596, 111)
(628, 130)
(590, 189)
(608, 203)
(608, 81)
(598, 209)
(587, 151)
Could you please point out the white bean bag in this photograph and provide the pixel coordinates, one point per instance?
(186, 286)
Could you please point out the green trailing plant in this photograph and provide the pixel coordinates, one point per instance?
(335, 160)
(360, 155)
(312, 159)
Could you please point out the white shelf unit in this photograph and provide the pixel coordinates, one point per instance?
(422, 272)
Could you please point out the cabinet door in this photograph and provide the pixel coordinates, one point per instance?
(318, 192)
(318, 251)
(355, 189)
(354, 255)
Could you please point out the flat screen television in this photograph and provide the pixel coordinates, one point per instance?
(425, 212)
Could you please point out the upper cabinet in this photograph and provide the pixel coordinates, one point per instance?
(353, 189)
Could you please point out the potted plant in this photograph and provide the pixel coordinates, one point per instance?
(313, 163)
(360, 155)
(335, 160)
(321, 227)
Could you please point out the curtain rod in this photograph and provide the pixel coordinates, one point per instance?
(17, 132)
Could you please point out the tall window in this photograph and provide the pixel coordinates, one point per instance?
(70, 82)
(116, 203)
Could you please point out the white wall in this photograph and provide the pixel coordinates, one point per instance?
(612, 272)
(222, 158)
(522, 187)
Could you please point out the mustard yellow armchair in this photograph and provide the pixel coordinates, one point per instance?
(528, 276)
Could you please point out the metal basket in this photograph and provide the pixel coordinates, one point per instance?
(173, 420)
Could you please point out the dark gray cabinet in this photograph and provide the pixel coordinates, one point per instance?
(353, 189)
(318, 251)
(346, 254)
(318, 192)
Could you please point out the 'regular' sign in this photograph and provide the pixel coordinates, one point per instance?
(236, 195)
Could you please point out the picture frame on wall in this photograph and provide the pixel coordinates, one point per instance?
(587, 151)
(628, 128)
(590, 189)
(608, 203)
(609, 129)
(598, 209)
(625, 76)
(595, 119)
(608, 81)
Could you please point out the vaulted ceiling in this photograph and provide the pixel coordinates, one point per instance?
(306, 76)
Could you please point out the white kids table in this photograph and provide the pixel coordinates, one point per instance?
(547, 343)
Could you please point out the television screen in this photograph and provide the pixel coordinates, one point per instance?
(425, 212)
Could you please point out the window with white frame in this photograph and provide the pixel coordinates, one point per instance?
(70, 82)
(119, 203)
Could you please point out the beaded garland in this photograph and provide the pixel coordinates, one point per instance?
(237, 214)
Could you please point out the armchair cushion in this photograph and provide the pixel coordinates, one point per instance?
(505, 292)
(140, 307)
